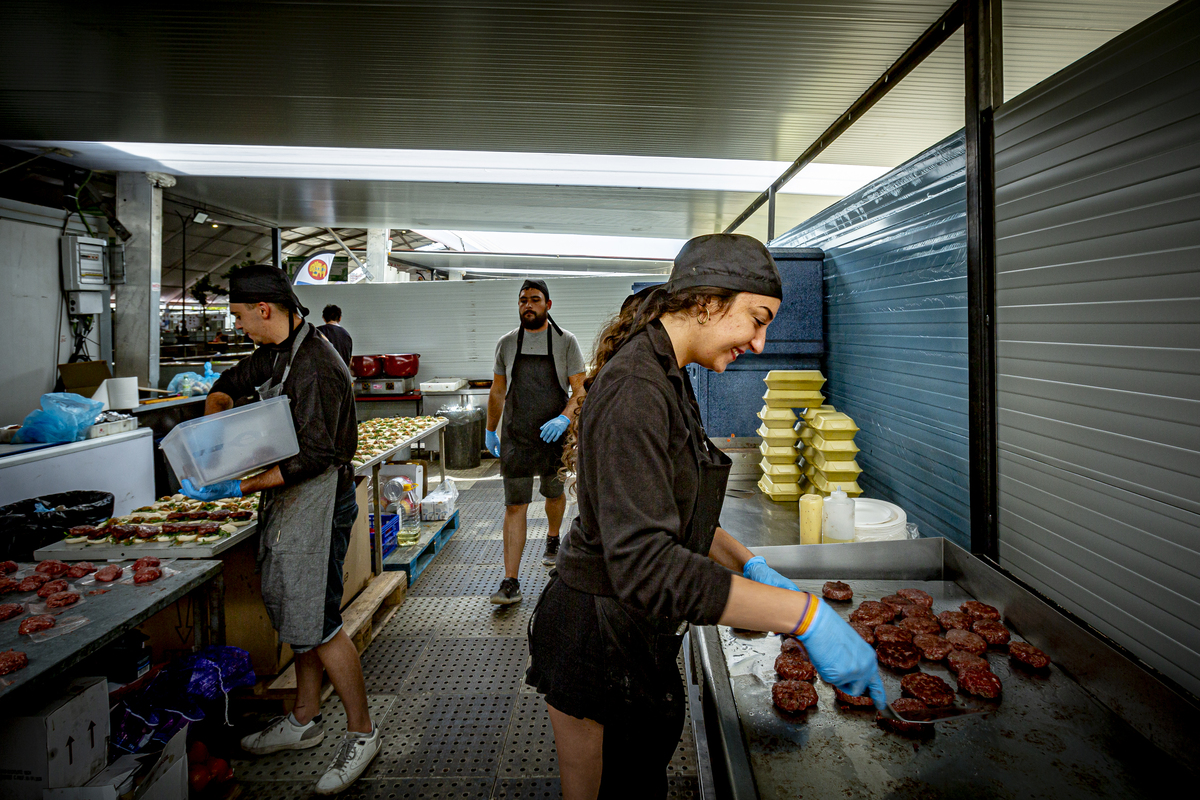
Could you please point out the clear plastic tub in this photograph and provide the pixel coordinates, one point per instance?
(232, 443)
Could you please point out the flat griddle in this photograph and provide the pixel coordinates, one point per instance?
(1046, 737)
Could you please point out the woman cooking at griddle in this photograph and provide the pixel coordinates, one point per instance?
(646, 554)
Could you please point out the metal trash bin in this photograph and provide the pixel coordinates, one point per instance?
(462, 438)
(480, 429)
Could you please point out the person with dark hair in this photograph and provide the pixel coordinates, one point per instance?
(533, 377)
(335, 334)
(646, 554)
(306, 510)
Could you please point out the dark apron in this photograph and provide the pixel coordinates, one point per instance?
(295, 524)
(534, 398)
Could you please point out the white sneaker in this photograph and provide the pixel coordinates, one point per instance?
(281, 734)
(351, 760)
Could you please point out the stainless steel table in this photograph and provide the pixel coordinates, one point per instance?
(1097, 725)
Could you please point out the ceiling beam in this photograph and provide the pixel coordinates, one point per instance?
(926, 43)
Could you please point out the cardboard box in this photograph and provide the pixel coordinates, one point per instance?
(165, 780)
(356, 571)
(64, 743)
(84, 377)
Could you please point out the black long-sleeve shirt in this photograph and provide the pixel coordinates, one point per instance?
(321, 397)
(637, 480)
(341, 340)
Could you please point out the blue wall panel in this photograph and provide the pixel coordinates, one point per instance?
(896, 326)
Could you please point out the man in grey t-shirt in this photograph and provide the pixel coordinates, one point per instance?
(537, 384)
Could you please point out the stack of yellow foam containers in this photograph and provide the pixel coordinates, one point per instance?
(827, 449)
(786, 390)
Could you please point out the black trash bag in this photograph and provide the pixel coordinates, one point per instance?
(29, 524)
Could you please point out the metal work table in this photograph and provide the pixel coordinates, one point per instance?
(372, 467)
(121, 608)
(117, 552)
(1096, 725)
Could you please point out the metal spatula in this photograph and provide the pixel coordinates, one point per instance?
(929, 716)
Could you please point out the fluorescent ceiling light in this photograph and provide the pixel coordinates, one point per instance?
(382, 164)
(556, 244)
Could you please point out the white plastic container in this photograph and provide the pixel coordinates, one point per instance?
(837, 519)
(232, 443)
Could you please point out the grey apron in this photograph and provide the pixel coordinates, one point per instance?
(294, 527)
(534, 397)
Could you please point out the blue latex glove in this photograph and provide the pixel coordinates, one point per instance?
(492, 442)
(214, 492)
(841, 657)
(756, 569)
(553, 429)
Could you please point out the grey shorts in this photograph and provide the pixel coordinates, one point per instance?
(519, 491)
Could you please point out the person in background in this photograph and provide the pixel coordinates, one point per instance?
(306, 510)
(333, 331)
(533, 376)
(646, 554)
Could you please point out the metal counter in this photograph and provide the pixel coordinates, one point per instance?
(1097, 725)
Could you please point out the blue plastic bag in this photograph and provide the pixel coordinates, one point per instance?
(63, 417)
(193, 383)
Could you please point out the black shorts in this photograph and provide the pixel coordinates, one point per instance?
(519, 491)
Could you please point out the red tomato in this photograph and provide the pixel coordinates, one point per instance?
(197, 753)
(198, 777)
(217, 767)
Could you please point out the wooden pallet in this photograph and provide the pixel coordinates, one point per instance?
(414, 558)
(362, 621)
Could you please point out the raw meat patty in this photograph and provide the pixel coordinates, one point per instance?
(919, 597)
(51, 567)
(147, 574)
(146, 561)
(897, 602)
(51, 587)
(9, 585)
(865, 631)
(918, 611)
(993, 632)
(12, 660)
(34, 624)
(902, 706)
(872, 612)
(62, 599)
(898, 655)
(977, 610)
(929, 689)
(917, 625)
(109, 573)
(851, 700)
(77, 571)
(8, 566)
(1028, 655)
(932, 647)
(952, 620)
(793, 696)
(959, 660)
(10, 610)
(969, 642)
(892, 633)
(31, 583)
(836, 590)
(979, 681)
(792, 667)
(791, 644)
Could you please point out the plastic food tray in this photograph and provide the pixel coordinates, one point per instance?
(811, 413)
(835, 426)
(833, 448)
(777, 455)
(780, 492)
(835, 462)
(443, 385)
(777, 416)
(783, 473)
(785, 398)
(826, 486)
(777, 437)
(795, 379)
(232, 443)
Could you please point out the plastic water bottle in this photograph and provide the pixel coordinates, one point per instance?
(837, 519)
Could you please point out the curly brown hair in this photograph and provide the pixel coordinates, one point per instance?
(627, 324)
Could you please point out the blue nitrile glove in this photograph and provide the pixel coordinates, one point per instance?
(841, 657)
(214, 492)
(554, 428)
(492, 441)
(756, 569)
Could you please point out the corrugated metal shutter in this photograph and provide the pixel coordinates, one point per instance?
(895, 321)
(455, 325)
(1098, 339)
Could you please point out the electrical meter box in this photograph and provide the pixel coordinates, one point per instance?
(83, 263)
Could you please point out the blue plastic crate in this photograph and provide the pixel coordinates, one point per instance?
(391, 527)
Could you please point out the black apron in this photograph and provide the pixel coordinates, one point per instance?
(534, 398)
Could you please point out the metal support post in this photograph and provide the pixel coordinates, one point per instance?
(377, 545)
(277, 247)
(771, 213)
(136, 347)
(442, 453)
(984, 92)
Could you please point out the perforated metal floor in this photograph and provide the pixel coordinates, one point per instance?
(445, 684)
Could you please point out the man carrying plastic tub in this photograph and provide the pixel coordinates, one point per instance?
(536, 365)
(306, 511)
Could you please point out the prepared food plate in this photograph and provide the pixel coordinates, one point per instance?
(377, 436)
(177, 519)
